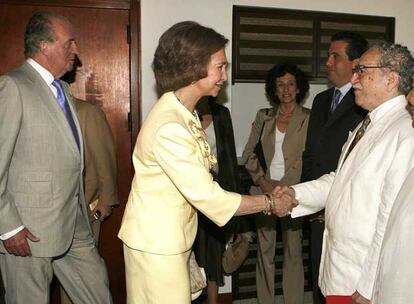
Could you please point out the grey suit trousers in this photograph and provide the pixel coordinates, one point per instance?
(96, 228)
(80, 270)
(293, 274)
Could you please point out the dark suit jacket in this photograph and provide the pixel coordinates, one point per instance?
(228, 176)
(327, 132)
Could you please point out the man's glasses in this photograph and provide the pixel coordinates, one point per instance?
(360, 68)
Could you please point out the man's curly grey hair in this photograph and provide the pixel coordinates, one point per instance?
(399, 59)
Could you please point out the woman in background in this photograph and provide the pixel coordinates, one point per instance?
(172, 161)
(282, 131)
(211, 239)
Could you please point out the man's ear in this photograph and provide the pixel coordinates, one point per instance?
(410, 97)
(43, 47)
(393, 80)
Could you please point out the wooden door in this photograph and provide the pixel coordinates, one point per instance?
(104, 79)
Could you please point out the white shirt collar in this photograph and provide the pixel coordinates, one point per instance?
(45, 74)
(385, 107)
(344, 89)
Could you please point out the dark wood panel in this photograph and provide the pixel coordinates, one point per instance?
(112, 4)
(275, 29)
(275, 44)
(273, 59)
(135, 75)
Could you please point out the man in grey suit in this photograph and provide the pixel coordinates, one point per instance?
(44, 224)
(100, 174)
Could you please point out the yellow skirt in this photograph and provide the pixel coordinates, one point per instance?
(155, 278)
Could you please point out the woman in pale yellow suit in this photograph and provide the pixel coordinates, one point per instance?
(172, 162)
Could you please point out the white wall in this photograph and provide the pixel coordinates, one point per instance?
(244, 99)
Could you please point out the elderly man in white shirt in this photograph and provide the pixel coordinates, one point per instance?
(395, 275)
(374, 162)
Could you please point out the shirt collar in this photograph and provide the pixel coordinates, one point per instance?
(344, 89)
(45, 74)
(385, 107)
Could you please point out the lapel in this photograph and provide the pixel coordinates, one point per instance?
(192, 123)
(219, 131)
(294, 127)
(50, 104)
(346, 103)
(72, 107)
(361, 152)
(346, 145)
(269, 135)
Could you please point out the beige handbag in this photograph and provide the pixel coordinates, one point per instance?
(197, 277)
(236, 253)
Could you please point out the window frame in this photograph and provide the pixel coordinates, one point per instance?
(318, 27)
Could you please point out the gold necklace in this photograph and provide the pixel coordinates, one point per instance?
(195, 113)
(286, 113)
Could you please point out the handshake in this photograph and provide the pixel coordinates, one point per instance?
(282, 201)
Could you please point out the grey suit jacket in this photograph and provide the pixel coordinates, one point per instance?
(40, 163)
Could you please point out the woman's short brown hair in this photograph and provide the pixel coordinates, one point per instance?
(183, 54)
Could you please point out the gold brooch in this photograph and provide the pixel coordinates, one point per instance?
(201, 138)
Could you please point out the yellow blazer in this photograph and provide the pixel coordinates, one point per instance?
(172, 161)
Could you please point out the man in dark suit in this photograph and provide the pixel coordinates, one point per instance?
(44, 224)
(334, 114)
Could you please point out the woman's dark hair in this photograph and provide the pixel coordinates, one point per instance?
(281, 70)
(183, 54)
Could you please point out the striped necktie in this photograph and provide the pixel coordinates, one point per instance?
(335, 99)
(358, 135)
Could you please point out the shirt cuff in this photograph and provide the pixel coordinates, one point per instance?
(9, 234)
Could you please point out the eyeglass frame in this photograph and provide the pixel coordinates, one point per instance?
(360, 68)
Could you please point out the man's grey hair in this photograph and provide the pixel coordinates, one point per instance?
(39, 28)
(399, 59)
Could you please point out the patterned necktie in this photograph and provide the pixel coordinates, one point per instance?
(358, 135)
(63, 103)
(335, 100)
